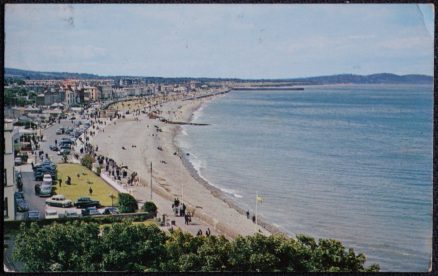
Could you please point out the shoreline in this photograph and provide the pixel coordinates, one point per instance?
(217, 192)
(172, 177)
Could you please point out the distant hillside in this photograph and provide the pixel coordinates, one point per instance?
(374, 78)
(333, 79)
(34, 75)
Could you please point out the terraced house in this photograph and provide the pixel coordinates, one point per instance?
(9, 186)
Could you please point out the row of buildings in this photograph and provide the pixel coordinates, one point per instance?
(77, 92)
(9, 174)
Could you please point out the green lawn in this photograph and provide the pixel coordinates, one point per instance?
(80, 186)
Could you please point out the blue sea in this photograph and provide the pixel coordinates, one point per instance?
(353, 163)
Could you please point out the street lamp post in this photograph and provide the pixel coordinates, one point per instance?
(112, 197)
(182, 182)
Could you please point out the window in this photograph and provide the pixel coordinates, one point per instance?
(5, 207)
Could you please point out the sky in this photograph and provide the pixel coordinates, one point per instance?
(218, 40)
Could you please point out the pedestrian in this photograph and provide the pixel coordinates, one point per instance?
(247, 214)
(186, 219)
(207, 233)
(253, 218)
(60, 182)
(91, 191)
(56, 142)
(199, 233)
(78, 175)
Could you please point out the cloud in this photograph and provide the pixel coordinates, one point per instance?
(218, 40)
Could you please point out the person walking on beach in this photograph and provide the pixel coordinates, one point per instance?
(91, 191)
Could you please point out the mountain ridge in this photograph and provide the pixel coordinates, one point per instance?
(378, 78)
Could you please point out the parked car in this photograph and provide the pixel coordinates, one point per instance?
(18, 161)
(45, 168)
(66, 139)
(65, 146)
(59, 201)
(39, 174)
(33, 215)
(110, 211)
(84, 202)
(45, 190)
(58, 131)
(46, 165)
(90, 211)
(51, 214)
(47, 178)
(21, 205)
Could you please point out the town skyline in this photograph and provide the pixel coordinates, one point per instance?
(85, 76)
(220, 41)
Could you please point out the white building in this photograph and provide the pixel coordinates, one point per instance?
(9, 172)
(69, 98)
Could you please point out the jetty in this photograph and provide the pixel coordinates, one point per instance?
(268, 88)
(208, 95)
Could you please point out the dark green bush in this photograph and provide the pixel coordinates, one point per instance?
(127, 203)
(87, 161)
(150, 207)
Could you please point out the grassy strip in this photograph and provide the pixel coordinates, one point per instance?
(80, 186)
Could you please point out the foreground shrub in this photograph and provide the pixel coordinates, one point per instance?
(78, 246)
(149, 207)
(127, 203)
(87, 161)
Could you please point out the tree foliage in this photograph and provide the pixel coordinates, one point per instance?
(127, 203)
(87, 161)
(149, 207)
(75, 246)
(16, 96)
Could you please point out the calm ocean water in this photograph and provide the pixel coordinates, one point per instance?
(352, 163)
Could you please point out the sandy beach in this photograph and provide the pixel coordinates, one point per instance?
(137, 140)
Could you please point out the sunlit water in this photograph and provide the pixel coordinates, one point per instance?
(352, 163)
